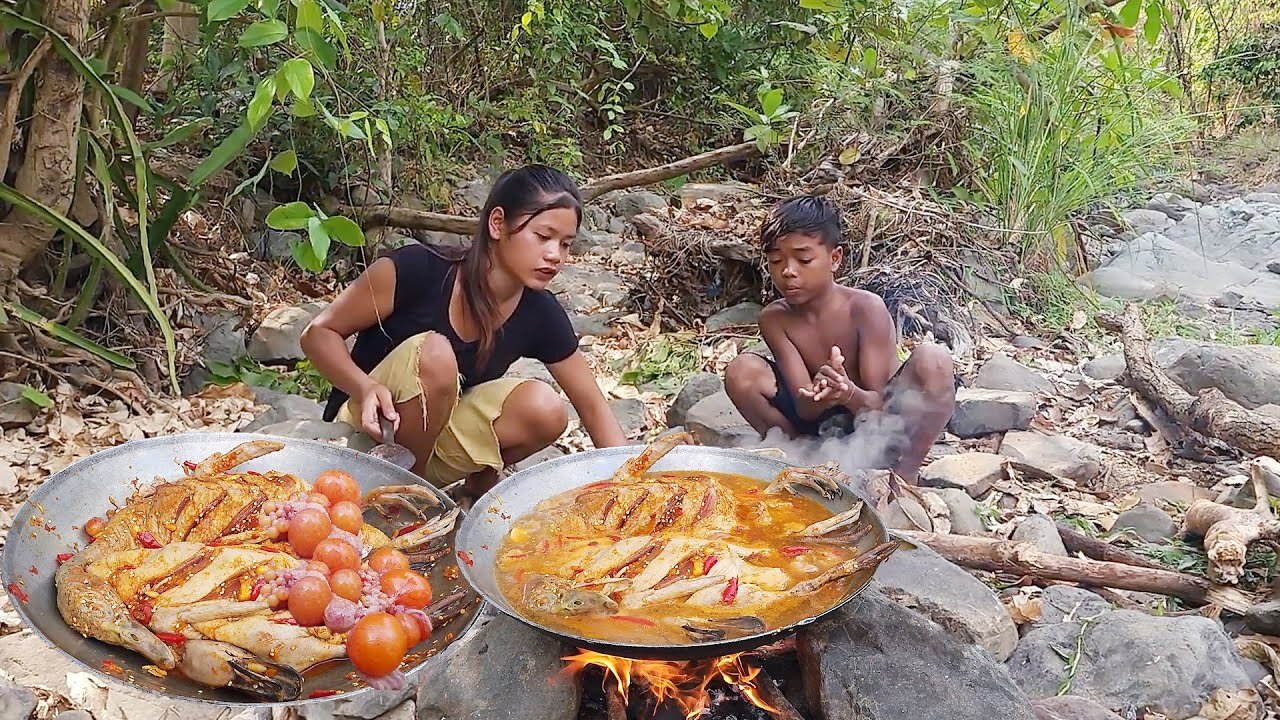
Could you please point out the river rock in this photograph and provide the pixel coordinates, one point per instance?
(947, 594)
(1130, 661)
(1107, 367)
(500, 670)
(875, 660)
(691, 193)
(1264, 618)
(1059, 602)
(1115, 282)
(1248, 374)
(632, 204)
(15, 410)
(1069, 707)
(965, 517)
(980, 411)
(973, 472)
(1056, 454)
(531, 369)
(16, 701)
(1001, 372)
(1040, 531)
(282, 407)
(716, 421)
(1274, 266)
(1144, 220)
(1173, 491)
(332, 432)
(1147, 521)
(595, 324)
(551, 452)
(279, 337)
(740, 315)
(697, 387)
(224, 338)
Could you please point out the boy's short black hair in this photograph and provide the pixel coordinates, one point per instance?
(809, 214)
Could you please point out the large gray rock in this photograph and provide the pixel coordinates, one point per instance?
(965, 517)
(16, 702)
(1001, 372)
(15, 410)
(632, 204)
(924, 581)
(1040, 531)
(696, 388)
(1059, 602)
(691, 193)
(875, 660)
(279, 337)
(1115, 282)
(1146, 220)
(1132, 662)
(282, 407)
(500, 670)
(334, 432)
(1146, 521)
(1264, 618)
(1107, 367)
(742, 314)
(716, 421)
(1248, 374)
(224, 338)
(981, 412)
(972, 472)
(1068, 707)
(1056, 454)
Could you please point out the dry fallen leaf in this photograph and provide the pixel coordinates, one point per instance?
(1224, 704)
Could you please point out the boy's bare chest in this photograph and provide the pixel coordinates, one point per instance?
(814, 342)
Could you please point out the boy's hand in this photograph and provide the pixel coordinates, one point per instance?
(831, 386)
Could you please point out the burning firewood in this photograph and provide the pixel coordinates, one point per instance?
(1228, 531)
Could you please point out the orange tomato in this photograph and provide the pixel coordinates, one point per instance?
(346, 516)
(388, 558)
(338, 486)
(377, 644)
(337, 554)
(407, 587)
(347, 584)
(412, 630)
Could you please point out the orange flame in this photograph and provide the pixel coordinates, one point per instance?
(685, 683)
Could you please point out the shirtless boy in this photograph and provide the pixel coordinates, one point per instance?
(835, 348)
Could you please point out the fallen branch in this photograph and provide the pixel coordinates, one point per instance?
(404, 217)
(780, 708)
(1227, 531)
(1024, 559)
(1211, 413)
(1077, 542)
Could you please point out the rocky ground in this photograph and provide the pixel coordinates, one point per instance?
(1044, 432)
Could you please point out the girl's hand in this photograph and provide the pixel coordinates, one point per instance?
(376, 402)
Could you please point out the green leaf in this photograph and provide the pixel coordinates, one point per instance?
(133, 98)
(37, 398)
(179, 134)
(293, 216)
(309, 16)
(251, 181)
(220, 10)
(315, 44)
(869, 60)
(305, 256)
(303, 108)
(263, 32)
(1151, 28)
(770, 101)
(286, 162)
(300, 76)
(222, 155)
(319, 238)
(260, 105)
(269, 7)
(1129, 13)
(822, 5)
(709, 29)
(345, 231)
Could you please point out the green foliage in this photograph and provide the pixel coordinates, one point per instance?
(665, 361)
(1251, 65)
(302, 380)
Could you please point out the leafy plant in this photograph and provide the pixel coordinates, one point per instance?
(665, 361)
(321, 229)
(303, 380)
(767, 121)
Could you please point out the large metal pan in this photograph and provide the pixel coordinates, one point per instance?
(486, 526)
(82, 490)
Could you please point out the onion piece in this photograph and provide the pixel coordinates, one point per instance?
(340, 615)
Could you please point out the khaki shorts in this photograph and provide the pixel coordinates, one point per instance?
(468, 443)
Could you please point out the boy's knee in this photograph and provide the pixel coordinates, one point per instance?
(932, 366)
(746, 373)
(436, 361)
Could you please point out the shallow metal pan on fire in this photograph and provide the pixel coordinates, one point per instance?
(50, 523)
(489, 521)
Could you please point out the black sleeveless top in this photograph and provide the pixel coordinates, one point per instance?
(538, 328)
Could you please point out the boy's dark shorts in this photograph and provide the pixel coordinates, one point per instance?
(836, 422)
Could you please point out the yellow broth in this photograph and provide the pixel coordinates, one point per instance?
(537, 545)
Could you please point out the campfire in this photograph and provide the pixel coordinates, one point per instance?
(732, 686)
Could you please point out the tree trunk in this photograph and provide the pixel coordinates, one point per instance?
(135, 59)
(47, 173)
(181, 36)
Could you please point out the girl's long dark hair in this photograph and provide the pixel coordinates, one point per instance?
(523, 194)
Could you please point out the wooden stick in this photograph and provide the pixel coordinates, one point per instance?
(1077, 542)
(1024, 559)
(616, 706)
(404, 217)
(1210, 413)
(780, 708)
(786, 646)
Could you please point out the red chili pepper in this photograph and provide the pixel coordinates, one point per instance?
(169, 638)
(190, 465)
(142, 612)
(322, 694)
(253, 472)
(63, 557)
(462, 555)
(730, 593)
(709, 563)
(257, 588)
(148, 540)
(111, 667)
(793, 550)
(18, 592)
(634, 619)
(409, 528)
